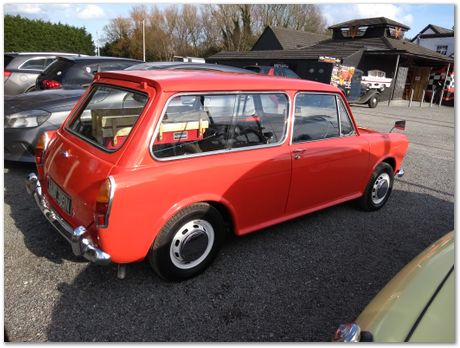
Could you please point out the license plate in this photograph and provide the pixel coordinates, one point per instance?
(62, 199)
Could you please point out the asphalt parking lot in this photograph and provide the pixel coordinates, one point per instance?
(292, 282)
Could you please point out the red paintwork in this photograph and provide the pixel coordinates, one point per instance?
(258, 187)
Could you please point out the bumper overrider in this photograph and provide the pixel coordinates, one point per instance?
(79, 239)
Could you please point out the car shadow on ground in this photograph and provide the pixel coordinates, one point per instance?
(279, 284)
(39, 236)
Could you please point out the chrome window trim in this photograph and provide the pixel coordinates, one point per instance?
(353, 132)
(338, 118)
(210, 153)
(35, 58)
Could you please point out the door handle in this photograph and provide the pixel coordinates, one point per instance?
(298, 153)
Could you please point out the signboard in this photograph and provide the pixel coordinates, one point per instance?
(326, 59)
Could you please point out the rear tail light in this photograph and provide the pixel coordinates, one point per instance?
(40, 148)
(50, 84)
(6, 73)
(104, 203)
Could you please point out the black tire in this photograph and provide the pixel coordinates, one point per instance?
(373, 102)
(375, 198)
(190, 230)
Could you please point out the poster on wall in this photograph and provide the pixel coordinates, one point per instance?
(342, 75)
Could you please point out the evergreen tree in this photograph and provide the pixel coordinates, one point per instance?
(26, 35)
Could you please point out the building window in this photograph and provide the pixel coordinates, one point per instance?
(353, 31)
(441, 49)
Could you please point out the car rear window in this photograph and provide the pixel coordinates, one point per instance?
(108, 116)
(57, 70)
(80, 74)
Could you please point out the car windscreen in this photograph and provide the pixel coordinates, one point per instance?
(108, 116)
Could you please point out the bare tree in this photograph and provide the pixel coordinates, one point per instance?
(306, 17)
(201, 30)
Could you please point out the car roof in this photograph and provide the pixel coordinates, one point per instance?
(78, 59)
(200, 80)
(187, 65)
(43, 54)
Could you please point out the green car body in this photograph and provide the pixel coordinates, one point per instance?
(418, 304)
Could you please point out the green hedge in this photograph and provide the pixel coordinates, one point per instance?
(25, 35)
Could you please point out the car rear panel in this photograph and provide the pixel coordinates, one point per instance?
(78, 171)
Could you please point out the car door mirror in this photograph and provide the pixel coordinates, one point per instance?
(399, 125)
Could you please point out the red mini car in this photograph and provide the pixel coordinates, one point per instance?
(161, 164)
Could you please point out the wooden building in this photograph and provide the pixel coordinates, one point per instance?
(367, 44)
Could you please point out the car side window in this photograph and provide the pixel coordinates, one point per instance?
(316, 117)
(260, 119)
(194, 124)
(346, 127)
(35, 64)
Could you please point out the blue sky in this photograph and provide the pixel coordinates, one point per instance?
(94, 16)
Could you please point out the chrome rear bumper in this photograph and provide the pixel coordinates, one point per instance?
(79, 239)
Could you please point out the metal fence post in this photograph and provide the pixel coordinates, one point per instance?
(411, 96)
(432, 97)
(423, 98)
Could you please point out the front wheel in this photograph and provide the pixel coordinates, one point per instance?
(373, 102)
(188, 242)
(378, 189)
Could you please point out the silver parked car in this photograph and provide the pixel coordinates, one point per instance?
(26, 116)
(22, 69)
(29, 114)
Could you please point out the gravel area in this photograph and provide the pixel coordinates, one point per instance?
(292, 282)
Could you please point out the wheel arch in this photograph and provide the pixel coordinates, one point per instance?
(391, 161)
(227, 215)
(222, 205)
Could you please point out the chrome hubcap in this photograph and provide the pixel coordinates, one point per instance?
(380, 188)
(191, 244)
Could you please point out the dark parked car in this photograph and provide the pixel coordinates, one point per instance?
(28, 115)
(77, 72)
(276, 70)
(22, 69)
(189, 66)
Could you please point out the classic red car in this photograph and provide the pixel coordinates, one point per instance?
(161, 164)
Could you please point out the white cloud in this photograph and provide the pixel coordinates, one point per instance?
(90, 12)
(28, 9)
(339, 12)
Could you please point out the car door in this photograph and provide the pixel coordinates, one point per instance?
(329, 159)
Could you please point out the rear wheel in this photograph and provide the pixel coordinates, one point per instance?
(378, 189)
(188, 242)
